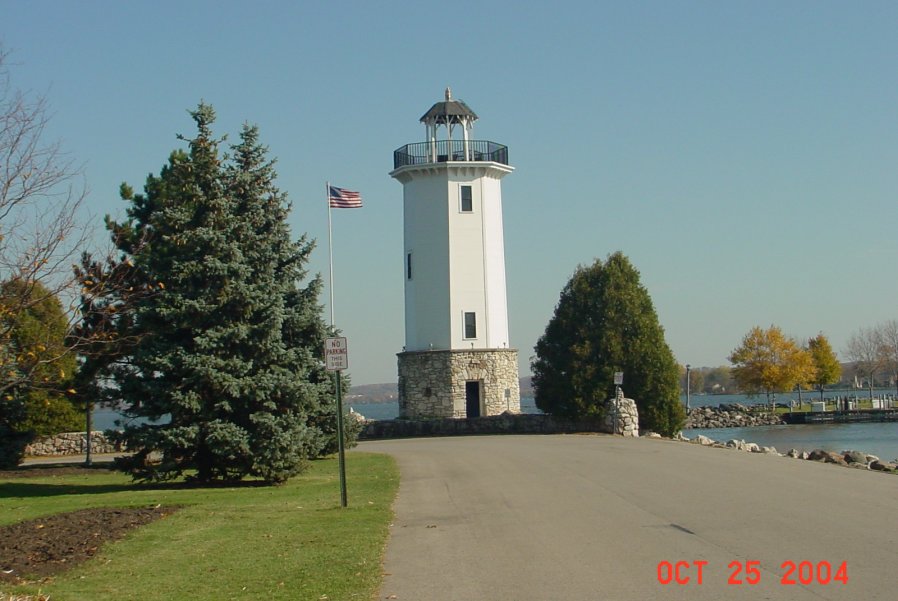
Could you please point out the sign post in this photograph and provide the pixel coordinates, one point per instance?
(336, 359)
(618, 381)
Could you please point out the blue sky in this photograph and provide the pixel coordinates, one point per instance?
(741, 154)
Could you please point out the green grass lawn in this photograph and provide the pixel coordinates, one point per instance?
(288, 542)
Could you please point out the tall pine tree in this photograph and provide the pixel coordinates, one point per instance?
(229, 340)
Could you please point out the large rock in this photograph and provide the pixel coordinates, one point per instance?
(883, 466)
(855, 457)
(826, 456)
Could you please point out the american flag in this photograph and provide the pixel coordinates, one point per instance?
(341, 198)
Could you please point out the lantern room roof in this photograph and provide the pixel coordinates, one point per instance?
(449, 112)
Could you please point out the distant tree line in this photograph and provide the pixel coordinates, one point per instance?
(708, 380)
(720, 380)
(768, 362)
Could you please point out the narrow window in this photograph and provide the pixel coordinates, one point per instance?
(470, 325)
(408, 266)
(467, 200)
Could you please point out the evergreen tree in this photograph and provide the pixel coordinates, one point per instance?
(605, 322)
(228, 344)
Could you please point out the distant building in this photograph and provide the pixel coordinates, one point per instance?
(457, 361)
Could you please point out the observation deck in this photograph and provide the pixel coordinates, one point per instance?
(442, 151)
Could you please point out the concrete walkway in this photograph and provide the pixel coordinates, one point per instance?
(71, 459)
(544, 518)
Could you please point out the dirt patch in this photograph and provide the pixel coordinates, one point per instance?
(43, 547)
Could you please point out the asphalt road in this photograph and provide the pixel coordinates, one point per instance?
(546, 518)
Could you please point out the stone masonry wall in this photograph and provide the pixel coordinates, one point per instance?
(70, 443)
(506, 423)
(621, 416)
(497, 370)
(432, 383)
(424, 390)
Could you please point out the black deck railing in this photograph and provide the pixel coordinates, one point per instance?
(449, 150)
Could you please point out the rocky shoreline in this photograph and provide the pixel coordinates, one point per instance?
(729, 416)
(848, 458)
(740, 416)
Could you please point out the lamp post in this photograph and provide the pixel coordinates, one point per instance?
(687, 386)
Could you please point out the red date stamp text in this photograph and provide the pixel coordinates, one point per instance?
(748, 573)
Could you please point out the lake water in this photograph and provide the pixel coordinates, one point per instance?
(110, 419)
(880, 439)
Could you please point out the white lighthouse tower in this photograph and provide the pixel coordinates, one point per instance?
(457, 361)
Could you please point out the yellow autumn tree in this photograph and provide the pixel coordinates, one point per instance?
(768, 361)
(827, 369)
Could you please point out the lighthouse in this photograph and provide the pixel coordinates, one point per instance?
(457, 361)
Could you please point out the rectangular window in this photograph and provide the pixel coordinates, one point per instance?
(408, 266)
(467, 200)
(470, 325)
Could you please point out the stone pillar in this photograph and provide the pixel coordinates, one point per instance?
(621, 415)
(432, 384)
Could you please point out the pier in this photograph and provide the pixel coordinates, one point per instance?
(841, 417)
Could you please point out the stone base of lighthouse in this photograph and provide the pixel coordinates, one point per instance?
(458, 383)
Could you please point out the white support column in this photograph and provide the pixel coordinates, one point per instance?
(432, 134)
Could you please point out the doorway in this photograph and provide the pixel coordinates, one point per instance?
(472, 399)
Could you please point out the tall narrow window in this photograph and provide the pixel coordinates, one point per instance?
(408, 266)
(467, 200)
(470, 325)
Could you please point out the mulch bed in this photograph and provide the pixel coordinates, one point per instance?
(39, 548)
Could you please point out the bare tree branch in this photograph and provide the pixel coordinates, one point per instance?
(42, 193)
(864, 348)
(888, 337)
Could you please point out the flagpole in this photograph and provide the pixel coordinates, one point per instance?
(341, 453)
(330, 246)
